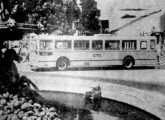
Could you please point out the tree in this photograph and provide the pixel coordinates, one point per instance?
(54, 15)
(19, 9)
(89, 20)
(72, 12)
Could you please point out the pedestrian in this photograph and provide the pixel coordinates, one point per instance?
(27, 57)
(158, 52)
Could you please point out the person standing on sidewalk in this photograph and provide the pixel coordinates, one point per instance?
(27, 58)
(158, 52)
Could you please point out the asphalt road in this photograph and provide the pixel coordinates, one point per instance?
(148, 79)
(141, 87)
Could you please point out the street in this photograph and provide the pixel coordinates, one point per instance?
(143, 88)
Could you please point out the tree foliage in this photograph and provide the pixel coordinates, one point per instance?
(90, 17)
(55, 15)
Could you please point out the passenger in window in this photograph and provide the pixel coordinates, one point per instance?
(98, 47)
(110, 46)
(115, 46)
(59, 45)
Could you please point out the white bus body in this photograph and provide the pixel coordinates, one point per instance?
(93, 51)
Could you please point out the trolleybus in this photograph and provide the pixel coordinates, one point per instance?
(93, 51)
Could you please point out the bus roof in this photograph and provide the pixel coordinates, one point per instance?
(95, 37)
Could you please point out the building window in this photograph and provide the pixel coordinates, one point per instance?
(112, 44)
(97, 45)
(81, 45)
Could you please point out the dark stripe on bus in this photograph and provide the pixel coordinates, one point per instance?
(98, 60)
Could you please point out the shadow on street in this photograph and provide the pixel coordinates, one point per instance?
(92, 68)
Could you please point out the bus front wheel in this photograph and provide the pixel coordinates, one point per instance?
(128, 63)
(62, 64)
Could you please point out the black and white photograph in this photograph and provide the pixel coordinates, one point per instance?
(82, 59)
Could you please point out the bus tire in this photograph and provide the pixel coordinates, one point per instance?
(128, 62)
(62, 64)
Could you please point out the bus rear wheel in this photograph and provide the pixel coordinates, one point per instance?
(62, 64)
(128, 63)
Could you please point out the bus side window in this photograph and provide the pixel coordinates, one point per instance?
(63, 45)
(143, 45)
(97, 45)
(129, 44)
(152, 44)
(81, 45)
(112, 44)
